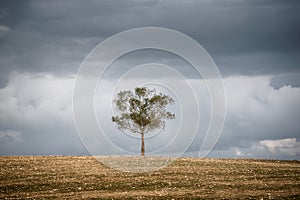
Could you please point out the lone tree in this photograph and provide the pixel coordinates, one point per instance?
(142, 111)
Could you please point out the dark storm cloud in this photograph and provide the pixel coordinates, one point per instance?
(243, 37)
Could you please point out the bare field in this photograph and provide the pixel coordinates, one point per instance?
(70, 177)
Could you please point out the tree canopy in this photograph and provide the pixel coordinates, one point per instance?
(142, 110)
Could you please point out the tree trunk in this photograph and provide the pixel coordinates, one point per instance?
(143, 145)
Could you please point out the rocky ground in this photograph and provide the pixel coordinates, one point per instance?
(70, 177)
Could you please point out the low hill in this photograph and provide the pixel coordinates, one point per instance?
(85, 177)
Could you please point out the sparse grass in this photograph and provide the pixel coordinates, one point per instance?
(61, 177)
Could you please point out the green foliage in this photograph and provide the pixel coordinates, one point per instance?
(142, 111)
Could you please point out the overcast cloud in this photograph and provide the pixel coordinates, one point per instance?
(255, 44)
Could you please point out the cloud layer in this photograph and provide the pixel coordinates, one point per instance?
(260, 119)
(243, 37)
(36, 115)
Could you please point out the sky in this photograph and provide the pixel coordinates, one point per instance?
(255, 45)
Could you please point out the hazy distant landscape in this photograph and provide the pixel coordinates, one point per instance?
(84, 177)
